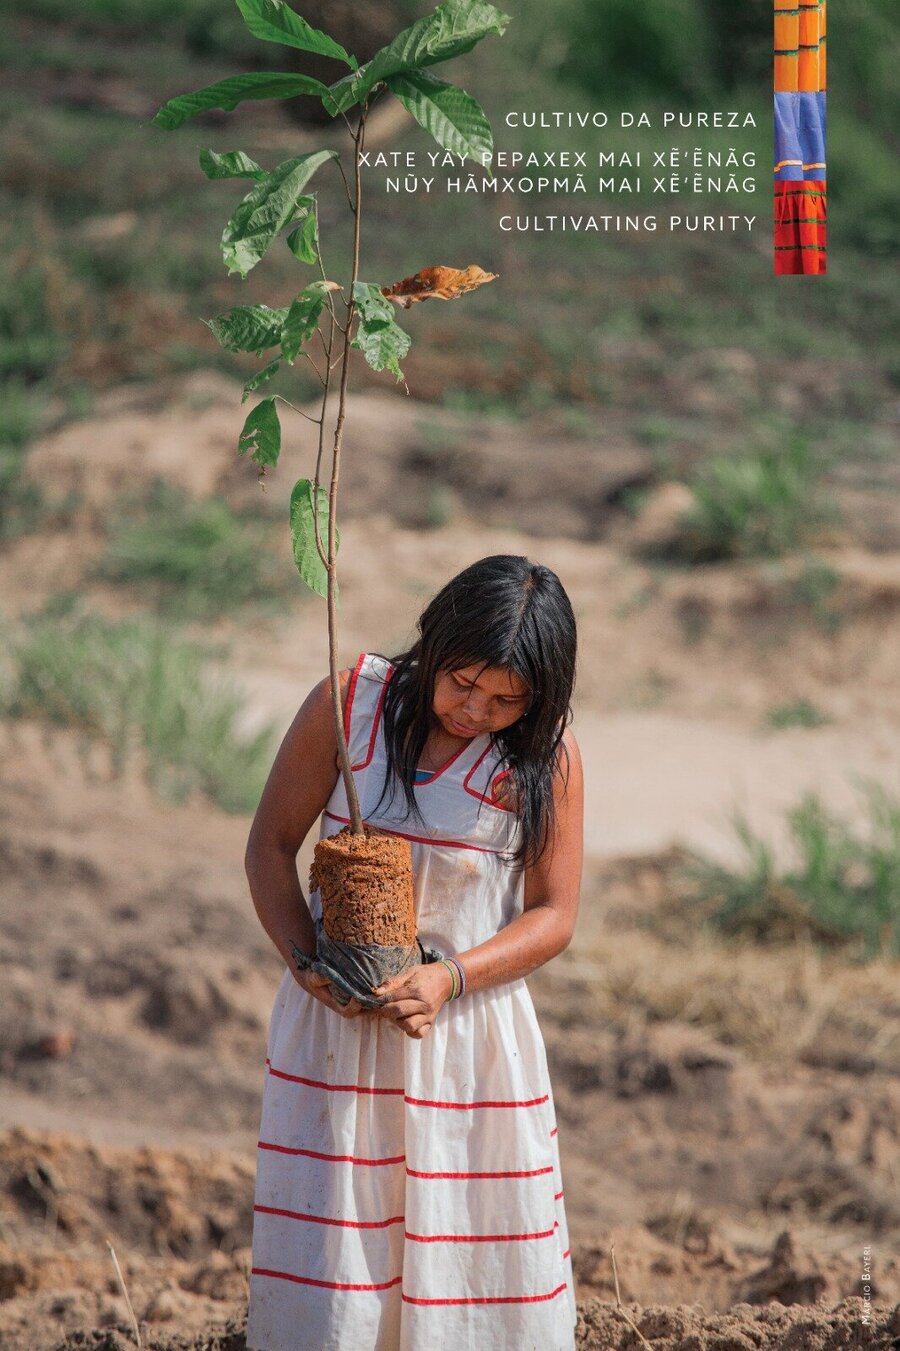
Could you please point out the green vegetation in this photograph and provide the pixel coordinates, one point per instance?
(759, 504)
(107, 273)
(20, 502)
(800, 713)
(136, 688)
(842, 888)
(195, 558)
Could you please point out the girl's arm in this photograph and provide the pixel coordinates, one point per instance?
(543, 929)
(297, 790)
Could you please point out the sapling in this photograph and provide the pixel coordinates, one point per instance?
(311, 327)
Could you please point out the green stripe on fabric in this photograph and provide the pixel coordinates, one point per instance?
(802, 192)
(788, 248)
(799, 220)
(809, 46)
(789, 51)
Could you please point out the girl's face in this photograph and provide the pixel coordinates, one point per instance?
(475, 699)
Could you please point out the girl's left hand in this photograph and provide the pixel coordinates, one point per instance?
(415, 997)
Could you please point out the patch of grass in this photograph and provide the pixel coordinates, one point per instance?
(756, 505)
(194, 557)
(812, 592)
(138, 689)
(842, 890)
(21, 503)
(800, 713)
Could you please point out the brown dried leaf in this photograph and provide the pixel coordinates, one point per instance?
(437, 283)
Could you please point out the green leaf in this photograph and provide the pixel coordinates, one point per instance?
(260, 378)
(233, 164)
(229, 93)
(262, 434)
(383, 347)
(274, 21)
(248, 328)
(454, 27)
(303, 316)
(303, 534)
(378, 336)
(267, 208)
(304, 243)
(454, 118)
(375, 310)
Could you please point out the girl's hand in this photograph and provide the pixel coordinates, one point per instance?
(413, 998)
(320, 988)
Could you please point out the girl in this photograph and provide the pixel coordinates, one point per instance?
(408, 1188)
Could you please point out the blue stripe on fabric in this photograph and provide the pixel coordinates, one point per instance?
(799, 136)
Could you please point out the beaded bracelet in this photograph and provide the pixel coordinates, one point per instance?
(454, 977)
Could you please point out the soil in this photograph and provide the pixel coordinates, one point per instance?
(729, 1113)
(366, 887)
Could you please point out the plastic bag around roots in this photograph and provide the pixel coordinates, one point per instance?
(354, 970)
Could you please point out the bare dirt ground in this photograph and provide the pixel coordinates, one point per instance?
(729, 1116)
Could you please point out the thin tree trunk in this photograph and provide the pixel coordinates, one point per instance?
(356, 824)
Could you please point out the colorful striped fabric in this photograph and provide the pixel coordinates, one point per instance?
(800, 228)
(800, 46)
(799, 136)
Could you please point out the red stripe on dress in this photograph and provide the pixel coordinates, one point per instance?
(471, 791)
(329, 1158)
(322, 1219)
(555, 1131)
(422, 839)
(531, 1172)
(567, 1253)
(333, 1088)
(491, 1299)
(470, 1106)
(436, 773)
(322, 1285)
(482, 1238)
(351, 691)
(363, 764)
(559, 1196)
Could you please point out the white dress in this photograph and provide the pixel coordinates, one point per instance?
(408, 1193)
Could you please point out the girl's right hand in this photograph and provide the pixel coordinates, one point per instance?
(320, 988)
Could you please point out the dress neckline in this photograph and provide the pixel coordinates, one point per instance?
(431, 774)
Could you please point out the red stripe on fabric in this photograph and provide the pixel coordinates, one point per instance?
(334, 1088)
(471, 1106)
(495, 801)
(559, 1196)
(567, 1253)
(482, 1238)
(555, 1131)
(323, 1285)
(530, 1172)
(351, 690)
(434, 774)
(492, 1299)
(471, 791)
(375, 721)
(329, 1158)
(421, 839)
(322, 1219)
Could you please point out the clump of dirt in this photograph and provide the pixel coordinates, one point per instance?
(151, 1200)
(365, 883)
(688, 1327)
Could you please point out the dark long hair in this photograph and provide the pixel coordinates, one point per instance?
(501, 611)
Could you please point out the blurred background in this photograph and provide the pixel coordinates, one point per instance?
(706, 455)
